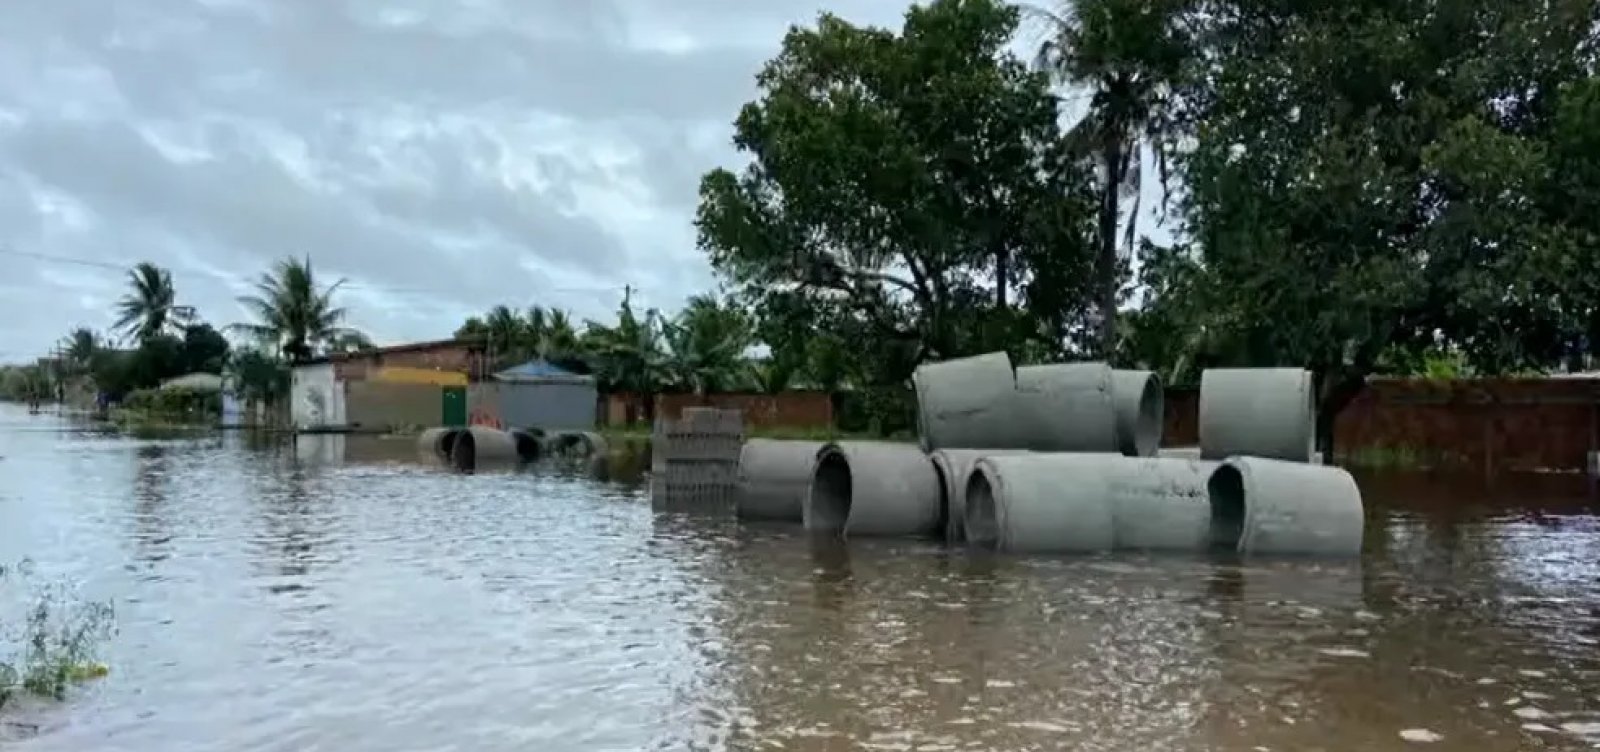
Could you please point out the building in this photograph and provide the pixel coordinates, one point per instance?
(417, 384)
(536, 394)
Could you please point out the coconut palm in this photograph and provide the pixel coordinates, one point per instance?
(294, 316)
(148, 308)
(707, 341)
(1125, 55)
(79, 349)
(504, 329)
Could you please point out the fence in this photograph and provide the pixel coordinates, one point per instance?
(784, 409)
(1493, 424)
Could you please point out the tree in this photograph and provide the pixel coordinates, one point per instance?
(260, 377)
(504, 331)
(1126, 55)
(204, 349)
(1377, 178)
(904, 188)
(627, 357)
(147, 310)
(707, 341)
(79, 348)
(294, 316)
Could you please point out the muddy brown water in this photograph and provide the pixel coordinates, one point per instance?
(339, 595)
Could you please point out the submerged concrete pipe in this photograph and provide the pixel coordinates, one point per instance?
(1140, 406)
(773, 478)
(1273, 507)
(955, 466)
(1065, 407)
(480, 446)
(529, 443)
(1259, 412)
(436, 443)
(863, 488)
(966, 403)
(1064, 503)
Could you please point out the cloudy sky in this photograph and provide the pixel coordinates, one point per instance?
(443, 155)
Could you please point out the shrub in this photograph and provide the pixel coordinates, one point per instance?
(54, 645)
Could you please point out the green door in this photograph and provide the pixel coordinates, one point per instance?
(455, 406)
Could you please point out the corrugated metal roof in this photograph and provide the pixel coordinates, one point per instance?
(539, 369)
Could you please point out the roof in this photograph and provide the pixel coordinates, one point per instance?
(436, 344)
(208, 382)
(539, 369)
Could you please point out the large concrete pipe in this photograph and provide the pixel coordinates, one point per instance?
(1182, 453)
(1259, 412)
(437, 443)
(966, 403)
(773, 478)
(954, 466)
(529, 443)
(480, 446)
(872, 488)
(1263, 506)
(577, 443)
(1057, 503)
(1065, 407)
(1140, 406)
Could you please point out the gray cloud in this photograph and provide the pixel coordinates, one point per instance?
(443, 157)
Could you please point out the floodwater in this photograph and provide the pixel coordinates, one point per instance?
(337, 595)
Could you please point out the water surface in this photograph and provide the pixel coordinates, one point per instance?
(339, 595)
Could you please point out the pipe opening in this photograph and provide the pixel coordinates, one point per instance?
(1147, 430)
(983, 528)
(527, 445)
(943, 472)
(447, 443)
(1226, 490)
(464, 452)
(831, 488)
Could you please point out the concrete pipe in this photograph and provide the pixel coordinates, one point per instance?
(1140, 406)
(480, 446)
(955, 466)
(872, 488)
(578, 443)
(530, 446)
(773, 478)
(1182, 453)
(1259, 412)
(1059, 503)
(437, 443)
(966, 403)
(1273, 507)
(1065, 407)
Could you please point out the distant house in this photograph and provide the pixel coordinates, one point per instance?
(399, 384)
(536, 394)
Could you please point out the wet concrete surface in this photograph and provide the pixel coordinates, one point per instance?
(338, 594)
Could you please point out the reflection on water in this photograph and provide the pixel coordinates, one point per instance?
(334, 593)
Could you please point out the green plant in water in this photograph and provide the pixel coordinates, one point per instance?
(54, 646)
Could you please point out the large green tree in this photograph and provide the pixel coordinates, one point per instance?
(905, 188)
(1383, 178)
(294, 315)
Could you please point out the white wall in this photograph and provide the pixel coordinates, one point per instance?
(316, 400)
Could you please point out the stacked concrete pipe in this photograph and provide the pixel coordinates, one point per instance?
(1273, 507)
(967, 403)
(773, 479)
(864, 488)
(478, 447)
(1258, 412)
(1061, 503)
(1141, 411)
(955, 466)
(1065, 407)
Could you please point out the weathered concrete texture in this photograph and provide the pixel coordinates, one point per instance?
(773, 478)
(955, 466)
(1064, 407)
(1257, 412)
(1139, 398)
(1060, 503)
(967, 403)
(861, 488)
(1264, 506)
(477, 447)
(1182, 453)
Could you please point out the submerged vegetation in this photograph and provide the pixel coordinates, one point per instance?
(54, 644)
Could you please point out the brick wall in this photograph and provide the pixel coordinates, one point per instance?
(449, 356)
(1493, 424)
(786, 409)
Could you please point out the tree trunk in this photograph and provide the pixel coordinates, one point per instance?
(1112, 156)
(1002, 277)
(1335, 390)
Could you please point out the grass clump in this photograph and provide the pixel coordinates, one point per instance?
(53, 646)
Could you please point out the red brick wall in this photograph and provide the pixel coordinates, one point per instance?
(1494, 424)
(451, 356)
(786, 409)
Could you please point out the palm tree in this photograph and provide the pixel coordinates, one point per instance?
(504, 330)
(628, 356)
(147, 309)
(79, 349)
(1126, 55)
(559, 338)
(707, 342)
(293, 315)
